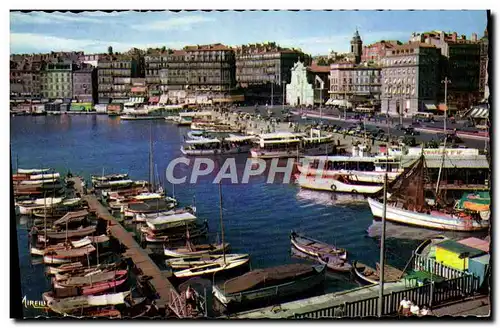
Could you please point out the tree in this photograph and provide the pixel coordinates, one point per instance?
(322, 62)
(110, 50)
(163, 49)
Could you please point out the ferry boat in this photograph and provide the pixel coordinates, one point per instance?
(358, 168)
(213, 127)
(288, 144)
(187, 118)
(338, 183)
(227, 146)
(408, 205)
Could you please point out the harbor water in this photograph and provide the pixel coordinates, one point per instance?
(258, 217)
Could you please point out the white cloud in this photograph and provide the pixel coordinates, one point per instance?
(184, 23)
(50, 18)
(31, 42)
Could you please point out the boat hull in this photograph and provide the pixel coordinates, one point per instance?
(450, 223)
(211, 269)
(272, 292)
(331, 184)
(361, 176)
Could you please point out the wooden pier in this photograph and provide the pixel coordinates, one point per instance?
(165, 291)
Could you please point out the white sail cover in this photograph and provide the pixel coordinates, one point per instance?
(170, 220)
(45, 176)
(31, 171)
(37, 182)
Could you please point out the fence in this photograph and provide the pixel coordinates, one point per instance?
(431, 294)
(422, 263)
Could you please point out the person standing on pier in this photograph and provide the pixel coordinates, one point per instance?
(404, 307)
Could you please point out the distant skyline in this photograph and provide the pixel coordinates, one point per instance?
(315, 32)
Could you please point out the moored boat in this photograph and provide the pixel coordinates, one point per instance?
(71, 304)
(270, 283)
(314, 247)
(368, 275)
(216, 266)
(193, 250)
(193, 261)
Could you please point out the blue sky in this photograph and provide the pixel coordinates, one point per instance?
(315, 32)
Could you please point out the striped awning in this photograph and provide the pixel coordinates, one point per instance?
(476, 162)
(430, 106)
(478, 112)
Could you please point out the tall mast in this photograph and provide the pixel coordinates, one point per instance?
(151, 178)
(441, 167)
(221, 223)
(45, 218)
(382, 237)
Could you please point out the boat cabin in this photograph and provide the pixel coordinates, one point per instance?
(203, 144)
(280, 141)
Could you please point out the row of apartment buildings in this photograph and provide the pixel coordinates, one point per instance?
(397, 77)
(410, 77)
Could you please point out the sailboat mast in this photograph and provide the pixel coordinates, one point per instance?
(382, 237)
(151, 178)
(221, 223)
(45, 218)
(441, 167)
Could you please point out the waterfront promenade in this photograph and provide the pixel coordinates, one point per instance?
(159, 279)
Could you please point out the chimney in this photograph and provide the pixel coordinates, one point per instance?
(474, 37)
(454, 37)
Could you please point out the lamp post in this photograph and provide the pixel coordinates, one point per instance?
(283, 103)
(272, 93)
(445, 81)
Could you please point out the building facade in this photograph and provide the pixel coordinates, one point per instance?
(308, 85)
(25, 78)
(461, 64)
(484, 58)
(410, 79)
(356, 47)
(57, 79)
(375, 52)
(114, 77)
(85, 83)
(155, 61)
(355, 83)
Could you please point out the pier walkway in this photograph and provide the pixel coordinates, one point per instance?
(288, 310)
(163, 287)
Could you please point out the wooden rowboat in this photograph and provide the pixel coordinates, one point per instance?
(368, 275)
(194, 250)
(71, 304)
(314, 247)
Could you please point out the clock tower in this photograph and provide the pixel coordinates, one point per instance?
(356, 47)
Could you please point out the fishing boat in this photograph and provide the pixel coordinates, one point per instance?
(112, 183)
(109, 177)
(171, 221)
(408, 205)
(142, 217)
(270, 283)
(67, 256)
(71, 217)
(76, 268)
(32, 171)
(150, 206)
(57, 235)
(26, 207)
(314, 247)
(196, 135)
(194, 250)
(102, 239)
(176, 234)
(72, 304)
(368, 275)
(102, 287)
(333, 262)
(477, 202)
(91, 279)
(193, 261)
(211, 268)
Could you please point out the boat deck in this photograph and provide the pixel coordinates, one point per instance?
(163, 287)
(287, 310)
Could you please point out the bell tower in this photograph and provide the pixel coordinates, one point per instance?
(356, 47)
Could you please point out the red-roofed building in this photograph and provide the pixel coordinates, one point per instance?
(376, 51)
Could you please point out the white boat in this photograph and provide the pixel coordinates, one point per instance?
(69, 304)
(359, 167)
(45, 176)
(278, 145)
(192, 261)
(109, 177)
(433, 220)
(196, 135)
(202, 146)
(211, 268)
(112, 183)
(37, 182)
(148, 195)
(170, 221)
(67, 256)
(32, 171)
(194, 250)
(407, 204)
(27, 207)
(339, 183)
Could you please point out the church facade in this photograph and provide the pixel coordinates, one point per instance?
(299, 91)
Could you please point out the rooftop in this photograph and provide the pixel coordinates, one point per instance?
(207, 47)
(319, 68)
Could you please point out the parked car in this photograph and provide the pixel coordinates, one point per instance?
(411, 132)
(399, 127)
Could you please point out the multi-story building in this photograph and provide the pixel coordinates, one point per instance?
(154, 61)
(461, 65)
(355, 83)
(261, 69)
(114, 77)
(25, 78)
(85, 83)
(57, 79)
(374, 52)
(410, 79)
(484, 58)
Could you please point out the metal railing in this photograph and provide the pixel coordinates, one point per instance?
(430, 294)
